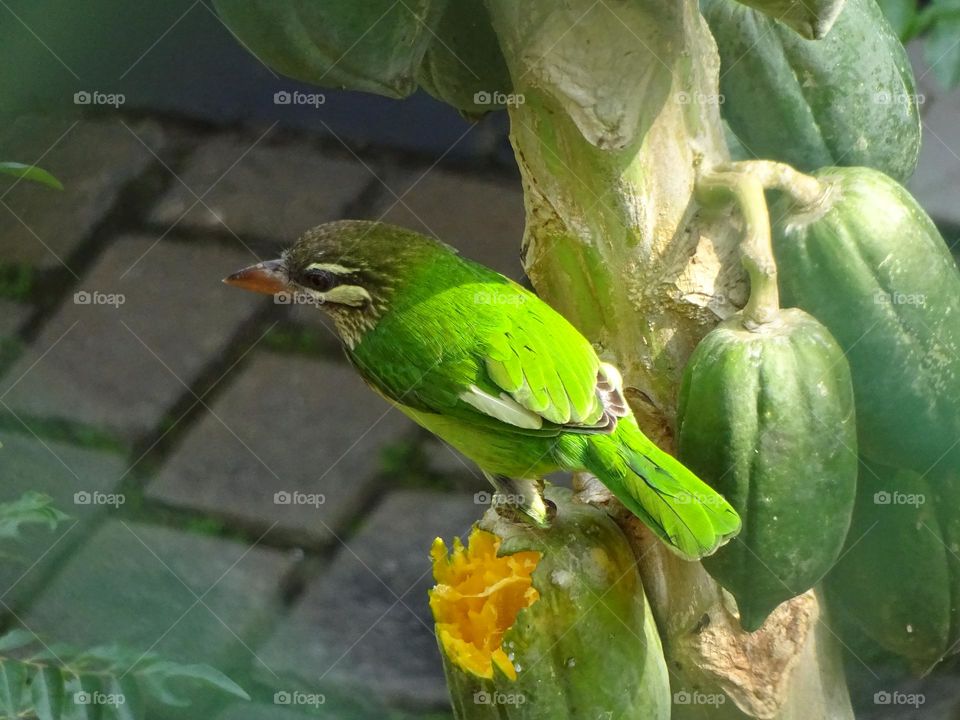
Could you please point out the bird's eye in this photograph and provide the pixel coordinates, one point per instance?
(321, 280)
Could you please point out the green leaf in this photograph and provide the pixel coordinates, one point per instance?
(156, 688)
(901, 14)
(32, 508)
(126, 696)
(204, 674)
(13, 679)
(375, 45)
(16, 639)
(48, 692)
(72, 709)
(80, 685)
(30, 172)
(49, 654)
(463, 66)
(811, 19)
(942, 47)
(105, 658)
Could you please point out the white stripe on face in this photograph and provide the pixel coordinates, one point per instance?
(352, 295)
(334, 268)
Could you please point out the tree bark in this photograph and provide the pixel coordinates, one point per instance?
(617, 115)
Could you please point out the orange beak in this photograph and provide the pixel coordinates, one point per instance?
(269, 277)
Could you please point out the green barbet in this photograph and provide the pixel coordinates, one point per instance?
(491, 369)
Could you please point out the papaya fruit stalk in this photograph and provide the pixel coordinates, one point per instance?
(620, 118)
(746, 192)
(804, 190)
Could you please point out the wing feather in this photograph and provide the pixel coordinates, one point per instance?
(563, 381)
(503, 408)
(521, 368)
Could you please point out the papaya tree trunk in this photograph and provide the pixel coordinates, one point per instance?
(616, 115)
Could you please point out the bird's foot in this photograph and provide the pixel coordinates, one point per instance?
(522, 501)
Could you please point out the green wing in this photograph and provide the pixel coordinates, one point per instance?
(511, 362)
(544, 372)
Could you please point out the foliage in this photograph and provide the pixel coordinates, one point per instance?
(18, 281)
(49, 681)
(31, 508)
(938, 25)
(30, 172)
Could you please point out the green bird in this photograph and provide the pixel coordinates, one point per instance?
(492, 370)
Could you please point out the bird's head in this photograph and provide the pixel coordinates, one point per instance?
(351, 269)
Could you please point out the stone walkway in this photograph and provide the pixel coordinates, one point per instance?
(237, 496)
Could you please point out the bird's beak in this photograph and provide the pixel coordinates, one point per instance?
(269, 277)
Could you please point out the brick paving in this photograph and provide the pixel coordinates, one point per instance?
(188, 597)
(132, 335)
(93, 160)
(246, 186)
(366, 613)
(198, 405)
(487, 221)
(71, 476)
(12, 317)
(291, 441)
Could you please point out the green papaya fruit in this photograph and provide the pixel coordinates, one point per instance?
(848, 99)
(547, 623)
(868, 263)
(463, 66)
(899, 576)
(812, 19)
(375, 46)
(766, 417)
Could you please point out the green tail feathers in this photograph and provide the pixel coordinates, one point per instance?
(686, 513)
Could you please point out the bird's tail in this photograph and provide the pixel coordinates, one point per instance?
(686, 513)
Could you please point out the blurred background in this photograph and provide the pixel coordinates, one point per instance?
(236, 496)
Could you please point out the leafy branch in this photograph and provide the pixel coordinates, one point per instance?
(31, 508)
(56, 682)
(30, 172)
(937, 23)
